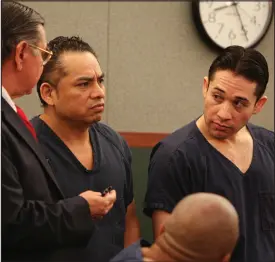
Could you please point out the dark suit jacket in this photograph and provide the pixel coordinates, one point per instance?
(37, 222)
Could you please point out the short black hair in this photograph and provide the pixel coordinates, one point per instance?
(246, 62)
(18, 23)
(59, 46)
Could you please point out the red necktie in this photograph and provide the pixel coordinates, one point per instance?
(26, 121)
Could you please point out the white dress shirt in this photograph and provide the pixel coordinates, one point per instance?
(8, 99)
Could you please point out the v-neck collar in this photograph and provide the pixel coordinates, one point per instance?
(70, 153)
(217, 152)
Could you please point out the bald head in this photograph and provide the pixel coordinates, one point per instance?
(202, 227)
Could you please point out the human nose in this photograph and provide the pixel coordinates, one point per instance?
(98, 91)
(224, 112)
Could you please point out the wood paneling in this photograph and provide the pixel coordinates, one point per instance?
(137, 139)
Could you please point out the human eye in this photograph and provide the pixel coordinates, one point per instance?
(83, 84)
(217, 97)
(100, 80)
(239, 104)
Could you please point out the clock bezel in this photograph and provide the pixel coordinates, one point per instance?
(211, 42)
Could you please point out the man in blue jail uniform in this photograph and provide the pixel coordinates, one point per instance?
(220, 152)
(84, 153)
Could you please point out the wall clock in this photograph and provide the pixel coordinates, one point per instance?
(225, 23)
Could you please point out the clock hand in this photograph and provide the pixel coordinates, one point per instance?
(225, 6)
(240, 19)
(245, 12)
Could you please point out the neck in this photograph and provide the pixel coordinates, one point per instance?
(9, 81)
(68, 131)
(155, 253)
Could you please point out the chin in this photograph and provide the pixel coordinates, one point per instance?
(98, 119)
(219, 135)
(28, 92)
(94, 119)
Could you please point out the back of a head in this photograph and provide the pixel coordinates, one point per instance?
(203, 227)
(19, 23)
(246, 62)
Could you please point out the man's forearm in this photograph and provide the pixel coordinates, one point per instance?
(132, 227)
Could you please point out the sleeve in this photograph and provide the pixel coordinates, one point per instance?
(168, 179)
(269, 136)
(30, 224)
(265, 137)
(129, 191)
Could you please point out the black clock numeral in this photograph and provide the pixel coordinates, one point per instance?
(259, 6)
(221, 25)
(212, 17)
(244, 30)
(231, 35)
(253, 19)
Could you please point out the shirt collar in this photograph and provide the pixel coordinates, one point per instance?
(8, 99)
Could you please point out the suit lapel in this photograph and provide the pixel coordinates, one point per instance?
(13, 120)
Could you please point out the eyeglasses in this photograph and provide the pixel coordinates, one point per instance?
(46, 54)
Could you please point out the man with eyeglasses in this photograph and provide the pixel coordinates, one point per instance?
(38, 223)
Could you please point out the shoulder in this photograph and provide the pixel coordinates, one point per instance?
(105, 130)
(44, 133)
(130, 254)
(261, 132)
(262, 135)
(5, 134)
(108, 133)
(111, 136)
(184, 140)
(37, 123)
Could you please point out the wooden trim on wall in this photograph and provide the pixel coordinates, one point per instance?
(138, 139)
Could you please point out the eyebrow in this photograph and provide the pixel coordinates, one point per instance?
(237, 97)
(219, 89)
(102, 75)
(88, 78)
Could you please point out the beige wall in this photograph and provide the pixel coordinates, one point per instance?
(153, 58)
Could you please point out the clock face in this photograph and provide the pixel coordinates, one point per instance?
(241, 23)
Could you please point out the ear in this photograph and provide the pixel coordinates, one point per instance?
(21, 54)
(205, 86)
(259, 105)
(48, 93)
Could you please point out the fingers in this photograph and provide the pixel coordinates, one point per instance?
(111, 196)
(109, 207)
(99, 206)
(89, 194)
(111, 199)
